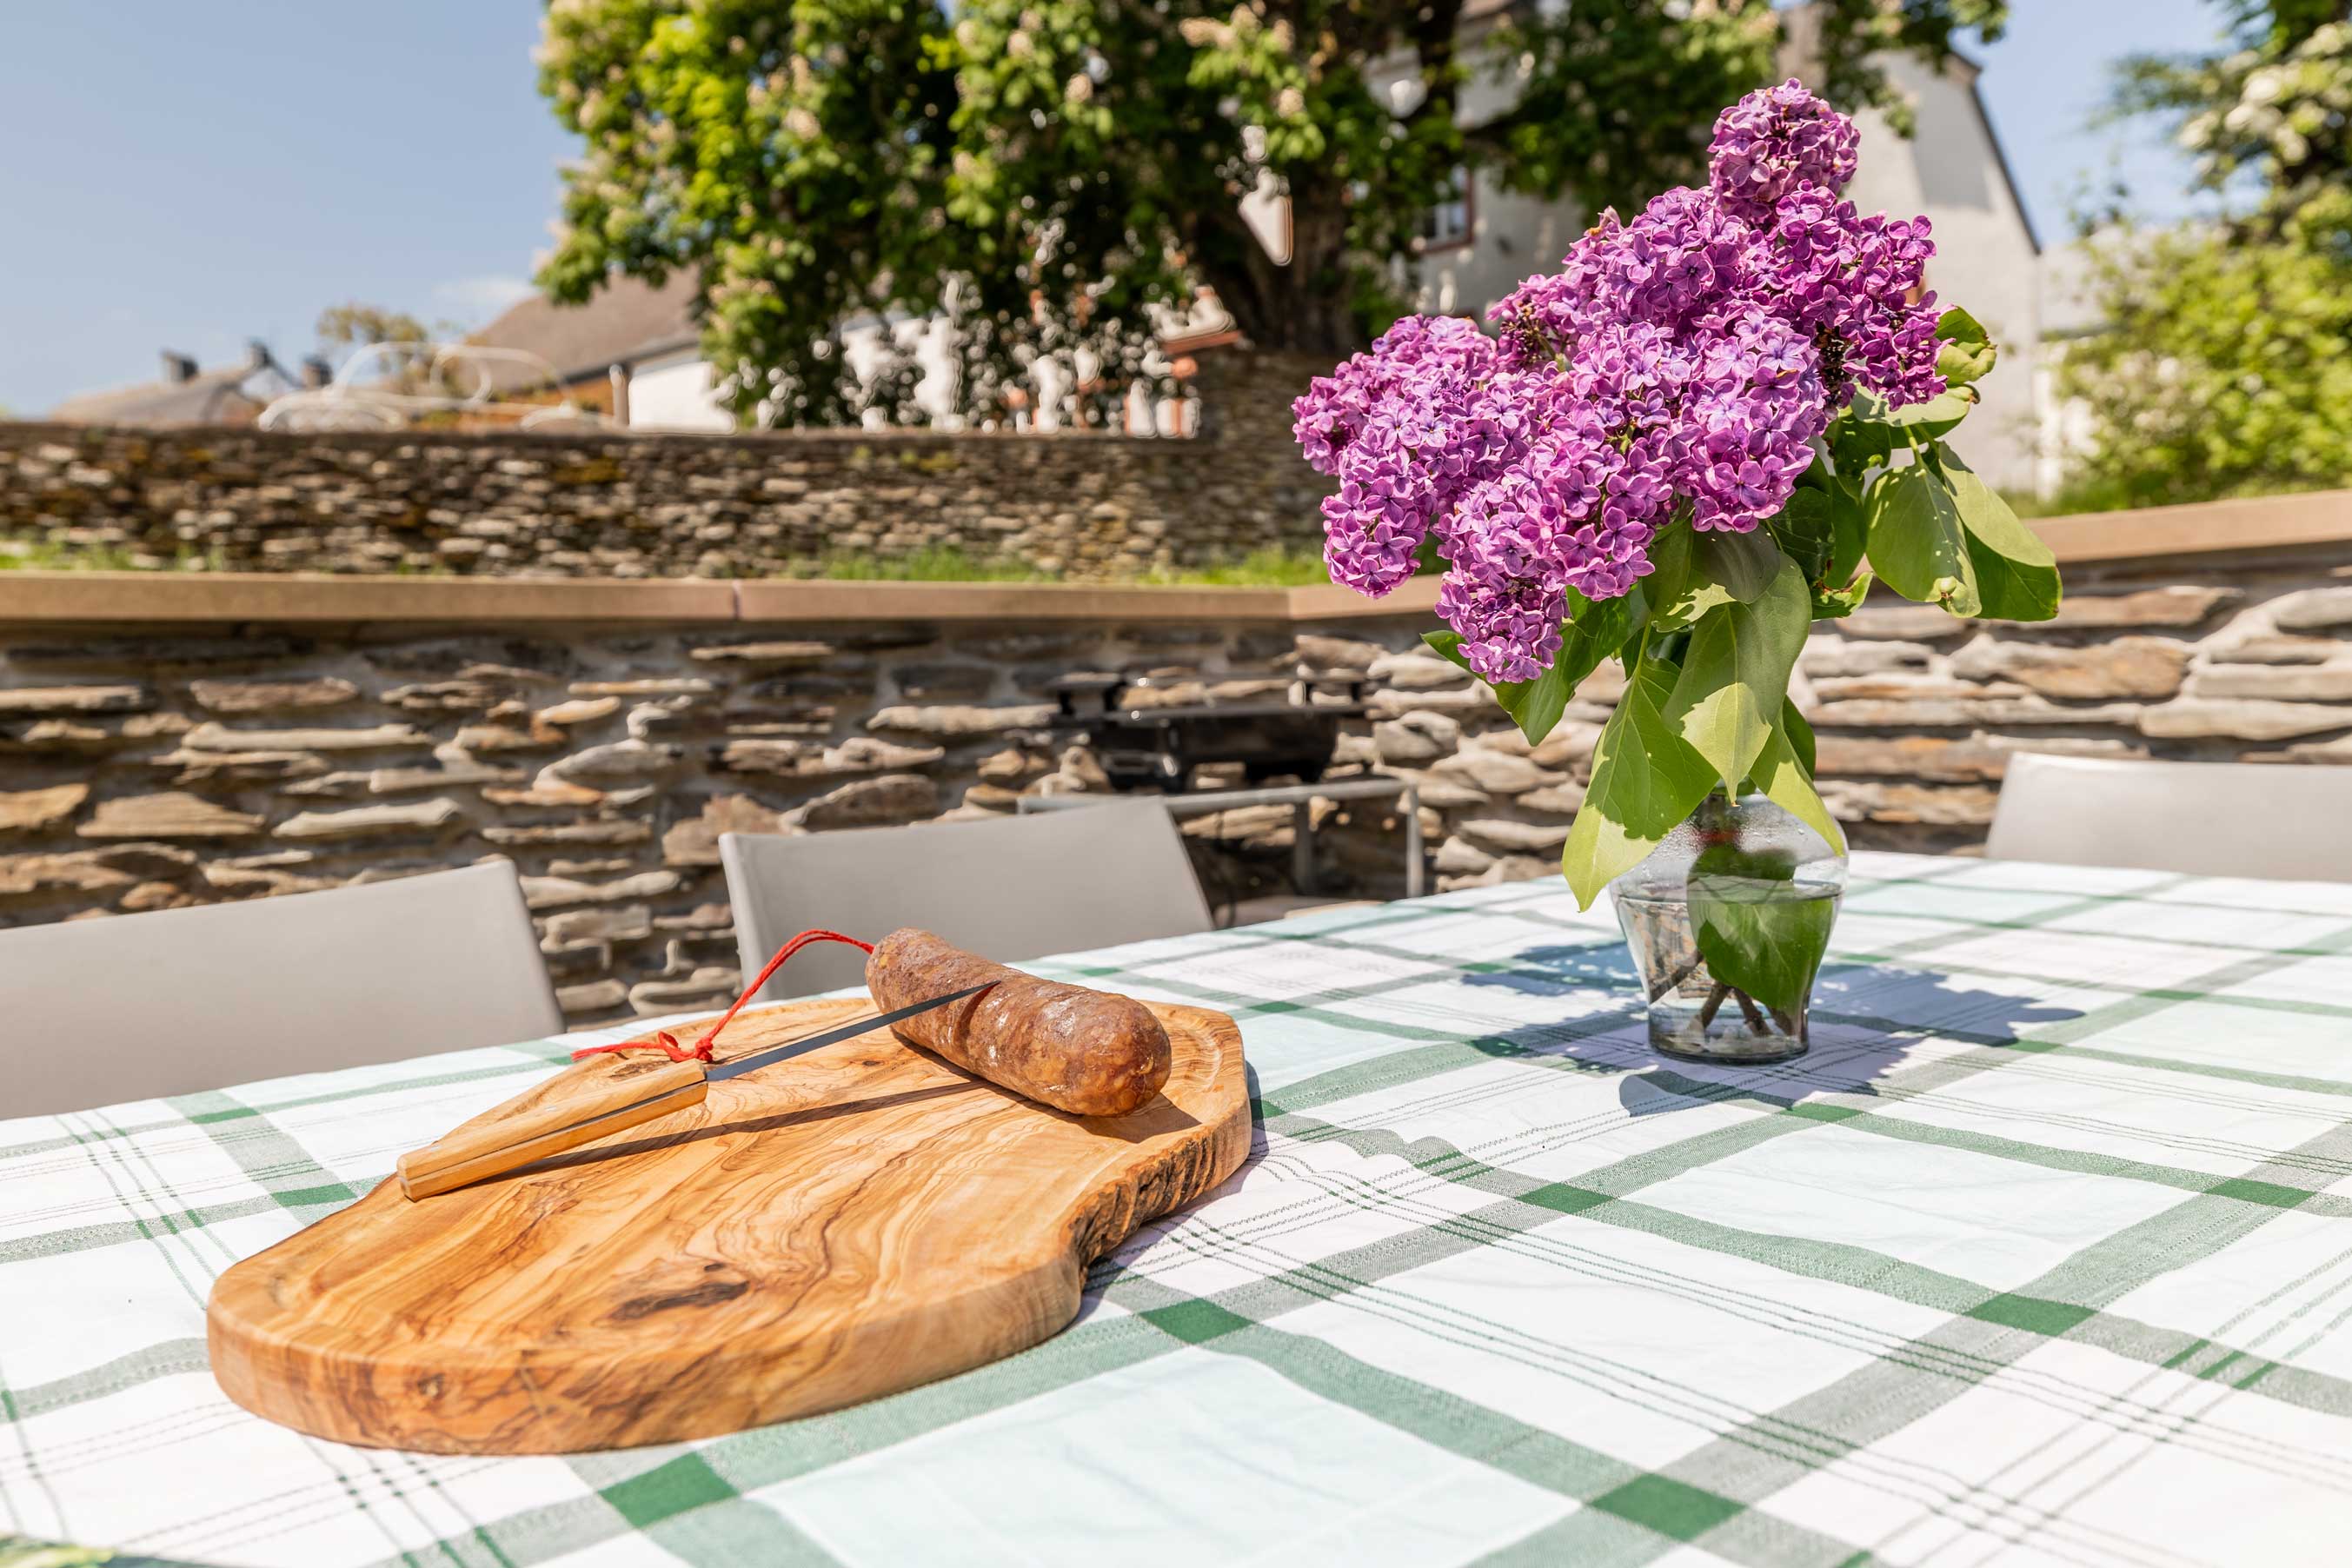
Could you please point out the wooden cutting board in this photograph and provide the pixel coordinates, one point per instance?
(834, 1228)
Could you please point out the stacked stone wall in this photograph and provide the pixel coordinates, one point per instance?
(151, 767)
(515, 503)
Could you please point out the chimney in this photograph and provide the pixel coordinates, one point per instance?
(178, 367)
(316, 372)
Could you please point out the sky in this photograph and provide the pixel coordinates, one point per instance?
(191, 176)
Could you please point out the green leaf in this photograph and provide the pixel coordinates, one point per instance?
(1939, 416)
(1968, 352)
(1597, 630)
(1720, 569)
(1736, 674)
(1533, 705)
(1780, 778)
(1755, 937)
(1917, 546)
(1807, 529)
(1850, 534)
(2017, 576)
(1745, 563)
(1800, 733)
(1860, 437)
(1670, 568)
(1836, 604)
(1645, 780)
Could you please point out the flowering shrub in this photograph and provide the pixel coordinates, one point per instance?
(1679, 451)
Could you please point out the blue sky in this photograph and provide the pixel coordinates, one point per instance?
(191, 176)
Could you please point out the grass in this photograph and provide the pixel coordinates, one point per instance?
(1273, 566)
(47, 555)
(931, 564)
(2077, 500)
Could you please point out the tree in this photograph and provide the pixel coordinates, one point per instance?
(344, 330)
(2269, 115)
(1054, 171)
(2224, 362)
(355, 326)
(2223, 367)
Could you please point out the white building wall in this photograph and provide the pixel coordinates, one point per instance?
(1985, 261)
(677, 393)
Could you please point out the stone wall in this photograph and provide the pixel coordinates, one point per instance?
(147, 767)
(618, 505)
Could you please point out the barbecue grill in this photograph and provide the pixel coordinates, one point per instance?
(1145, 747)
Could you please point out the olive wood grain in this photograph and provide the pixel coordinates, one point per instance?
(566, 1111)
(833, 1229)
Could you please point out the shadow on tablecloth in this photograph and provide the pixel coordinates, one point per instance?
(1868, 1022)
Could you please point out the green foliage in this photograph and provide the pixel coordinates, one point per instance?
(1645, 779)
(2223, 365)
(1756, 938)
(1271, 567)
(1783, 773)
(354, 325)
(1917, 545)
(2270, 112)
(1592, 634)
(1048, 173)
(1967, 354)
(1735, 675)
(2223, 368)
(925, 563)
(48, 555)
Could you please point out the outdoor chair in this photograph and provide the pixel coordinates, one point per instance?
(137, 1006)
(1015, 887)
(2210, 819)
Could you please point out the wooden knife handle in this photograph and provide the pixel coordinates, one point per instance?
(570, 1109)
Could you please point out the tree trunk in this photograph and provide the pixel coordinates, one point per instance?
(1303, 306)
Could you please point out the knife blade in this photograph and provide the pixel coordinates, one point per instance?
(538, 1124)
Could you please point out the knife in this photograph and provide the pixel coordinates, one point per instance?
(568, 1111)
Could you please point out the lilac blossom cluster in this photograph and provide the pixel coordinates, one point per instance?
(1679, 364)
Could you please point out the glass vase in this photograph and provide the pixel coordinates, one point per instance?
(1729, 920)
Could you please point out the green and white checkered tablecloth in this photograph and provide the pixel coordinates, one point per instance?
(2042, 1255)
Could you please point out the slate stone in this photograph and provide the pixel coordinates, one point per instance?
(272, 696)
(26, 702)
(2141, 667)
(38, 810)
(170, 815)
(373, 821)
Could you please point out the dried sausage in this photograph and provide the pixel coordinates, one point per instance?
(1091, 1053)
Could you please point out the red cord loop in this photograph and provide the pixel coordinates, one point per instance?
(666, 1041)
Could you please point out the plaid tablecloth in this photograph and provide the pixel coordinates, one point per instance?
(2042, 1255)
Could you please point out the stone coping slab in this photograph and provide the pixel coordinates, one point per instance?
(2156, 535)
(2152, 533)
(102, 597)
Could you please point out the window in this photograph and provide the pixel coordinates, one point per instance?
(1447, 223)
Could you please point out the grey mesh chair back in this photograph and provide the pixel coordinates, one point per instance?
(1015, 888)
(135, 1006)
(2210, 819)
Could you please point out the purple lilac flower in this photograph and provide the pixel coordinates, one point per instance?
(1680, 364)
(1770, 141)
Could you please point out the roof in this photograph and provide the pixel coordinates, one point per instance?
(208, 397)
(626, 320)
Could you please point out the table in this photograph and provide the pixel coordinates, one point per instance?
(2042, 1255)
(1300, 798)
